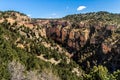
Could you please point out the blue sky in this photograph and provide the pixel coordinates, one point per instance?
(59, 8)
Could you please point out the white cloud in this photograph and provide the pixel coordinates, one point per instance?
(49, 17)
(28, 15)
(81, 8)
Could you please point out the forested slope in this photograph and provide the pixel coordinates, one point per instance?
(76, 47)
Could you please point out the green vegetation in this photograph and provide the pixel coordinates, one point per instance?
(101, 16)
(20, 44)
(9, 52)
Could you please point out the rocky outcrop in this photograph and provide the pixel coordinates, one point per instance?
(88, 41)
(73, 38)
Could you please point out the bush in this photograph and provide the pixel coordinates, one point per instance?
(98, 73)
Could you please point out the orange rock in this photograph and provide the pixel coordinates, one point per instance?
(71, 35)
(64, 34)
(105, 48)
